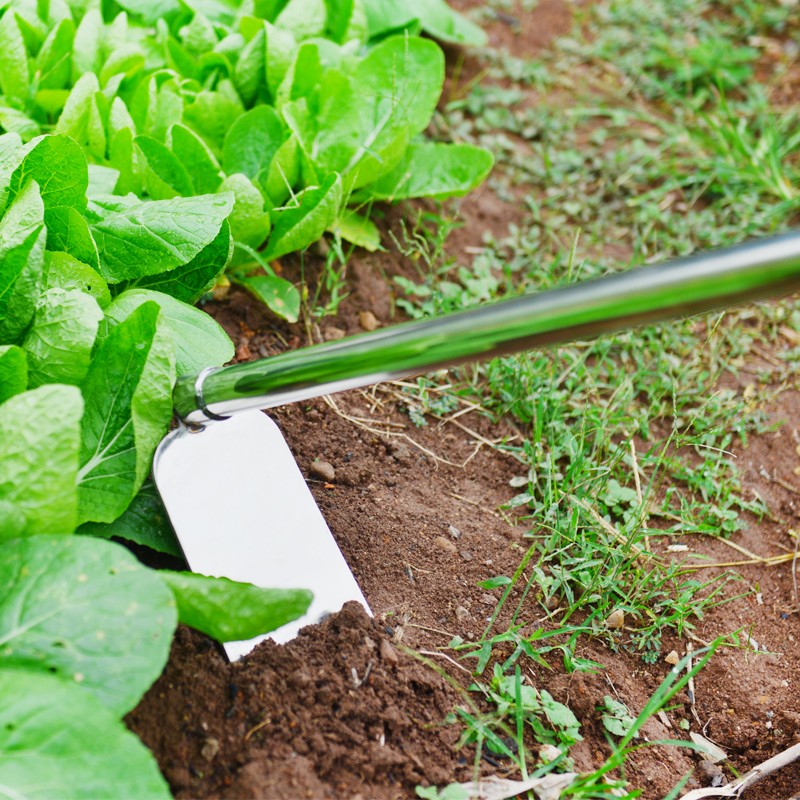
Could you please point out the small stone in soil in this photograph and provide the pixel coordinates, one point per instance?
(445, 544)
(388, 653)
(466, 555)
(367, 320)
(710, 774)
(462, 613)
(333, 334)
(454, 532)
(673, 658)
(210, 749)
(324, 470)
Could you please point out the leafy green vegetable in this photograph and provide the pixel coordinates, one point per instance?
(433, 170)
(13, 372)
(249, 222)
(199, 341)
(128, 407)
(276, 293)
(145, 522)
(433, 16)
(59, 342)
(147, 238)
(21, 261)
(231, 611)
(86, 610)
(56, 740)
(63, 271)
(40, 432)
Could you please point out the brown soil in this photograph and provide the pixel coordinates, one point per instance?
(350, 709)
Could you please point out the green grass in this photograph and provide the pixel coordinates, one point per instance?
(642, 137)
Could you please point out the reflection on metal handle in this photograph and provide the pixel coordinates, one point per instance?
(685, 286)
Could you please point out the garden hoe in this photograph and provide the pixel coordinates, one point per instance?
(234, 494)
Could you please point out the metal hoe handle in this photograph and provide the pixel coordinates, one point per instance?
(764, 268)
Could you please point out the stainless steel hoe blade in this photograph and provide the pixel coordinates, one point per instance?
(237, 500)
(242, 510)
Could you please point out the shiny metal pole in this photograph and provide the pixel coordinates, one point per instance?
(716, 279)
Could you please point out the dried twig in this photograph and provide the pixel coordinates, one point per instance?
(737, 787)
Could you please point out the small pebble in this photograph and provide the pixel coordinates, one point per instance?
(210, 749)
(324, 470)
(454, 532)
(710, 774)
(466, 555)
(388, 653)
(367, 320)
(333, 334)
(462, 613)
(548, 753)
(488, 599)
(445, 544)
(615, 620)
(673, 658)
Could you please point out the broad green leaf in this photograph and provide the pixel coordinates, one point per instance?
(347, 20)
(294, 228)
(21, 261)
(211, 114)
(14, 73)
(281, 49)
(40, 436)
(199, 35)
(305, 19)
(276, 293)
(74, 119)
(191, 281)
(252, 142)
(68, 232)
(87, 50)
(53, 62)
(11, 155)
(166, 176)
(51, 101)
(86, 610)
(59, 342)
(14, 121)
(63, 271)
(122, 155)
(433, 170)
(197, 159)
(282, 174)
(128, 408)
(230, 611)
(145, 522)
(58, 165)
(151, 10)
(96, 137)
(249, 222)
(198, 339)
(250, 75)
(102, 180)
(125, 60)
(357, 230)
(434, 16)
(50, 732)
(362, 128)
(13, 372)
(147, 238)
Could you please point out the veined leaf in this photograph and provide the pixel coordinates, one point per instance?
(211, 114)
(433, 16)
(68, 232)
(147, 238)
(13, 372)
(53, 62)
(58, 165)
(249, 222)
(305, 19)
(252, 142)
(145, 522)
(434, 170)
(357, 230)
(14, 72)
(128, 407)
(63, 271)
(21, 261)
(59, 342)
(295, 228)
(231, 611)
(74, 119)
(86, 610)
(40, 436)
(196, 158)
(276, 293)
(198, 339)
(87, 48)
(49, 734)
(191, 281)
(167, 177)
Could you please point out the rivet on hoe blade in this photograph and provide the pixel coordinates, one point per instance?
(235, 496)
